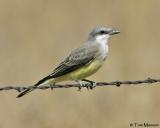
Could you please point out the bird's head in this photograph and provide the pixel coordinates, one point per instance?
(102, 33)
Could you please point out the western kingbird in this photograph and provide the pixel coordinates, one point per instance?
(82, 62)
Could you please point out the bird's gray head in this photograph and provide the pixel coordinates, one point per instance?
(102, 33)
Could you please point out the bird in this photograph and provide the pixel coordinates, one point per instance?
(81, 62)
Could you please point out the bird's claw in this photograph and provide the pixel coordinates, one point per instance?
(90, 85)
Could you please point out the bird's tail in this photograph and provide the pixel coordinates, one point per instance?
(25, 92)
(39, 83)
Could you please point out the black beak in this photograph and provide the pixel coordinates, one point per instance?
(113, 32)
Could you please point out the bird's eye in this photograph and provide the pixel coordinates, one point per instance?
(102, 32)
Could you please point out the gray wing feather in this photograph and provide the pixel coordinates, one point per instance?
(76, 59)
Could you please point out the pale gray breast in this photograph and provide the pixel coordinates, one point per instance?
(102, 51)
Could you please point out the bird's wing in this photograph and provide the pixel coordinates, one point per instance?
(75, 60)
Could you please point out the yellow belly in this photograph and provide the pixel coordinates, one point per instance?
(80, 73)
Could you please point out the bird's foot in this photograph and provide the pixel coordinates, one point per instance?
(52, 86)
(90, 84)
(81, 84)
(86, 83)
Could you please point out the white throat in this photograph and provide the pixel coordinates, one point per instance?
(102, 39)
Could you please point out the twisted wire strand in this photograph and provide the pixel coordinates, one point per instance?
(114, 83)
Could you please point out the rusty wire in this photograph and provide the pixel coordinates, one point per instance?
(114, 83)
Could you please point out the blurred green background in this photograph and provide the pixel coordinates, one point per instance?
(35, 35)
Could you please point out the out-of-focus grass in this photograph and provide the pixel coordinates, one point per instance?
(36, 35)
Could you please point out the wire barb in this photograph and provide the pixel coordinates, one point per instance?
(114, 83)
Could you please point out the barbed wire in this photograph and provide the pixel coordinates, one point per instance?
(114, 83)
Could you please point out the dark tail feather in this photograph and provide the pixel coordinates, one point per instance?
(25, 92)
(34, 87)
